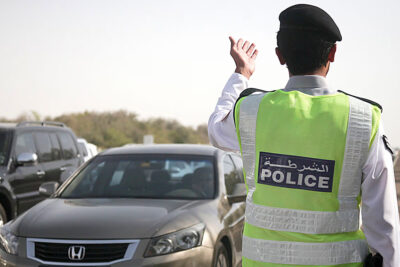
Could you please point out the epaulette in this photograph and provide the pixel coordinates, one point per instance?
(247, 92)
(364, 99)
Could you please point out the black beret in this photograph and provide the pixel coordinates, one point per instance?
(304, 17)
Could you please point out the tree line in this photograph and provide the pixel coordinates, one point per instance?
(117, 128)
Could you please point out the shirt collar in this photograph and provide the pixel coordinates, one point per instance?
(309, 84)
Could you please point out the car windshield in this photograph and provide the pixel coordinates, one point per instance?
(5, 140)
(145, 176)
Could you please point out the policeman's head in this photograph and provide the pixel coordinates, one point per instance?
(307, 40)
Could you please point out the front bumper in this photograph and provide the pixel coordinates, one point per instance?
(199, 256)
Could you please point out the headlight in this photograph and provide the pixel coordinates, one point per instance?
(184, 239)
(8, 241)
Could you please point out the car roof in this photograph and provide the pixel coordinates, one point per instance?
(81, 140)
(8, 125)
(189, 149)
(33, 125)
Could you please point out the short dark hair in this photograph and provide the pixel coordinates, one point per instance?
(303, 51)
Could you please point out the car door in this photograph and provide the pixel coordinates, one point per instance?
(233, 174)
(26, 179)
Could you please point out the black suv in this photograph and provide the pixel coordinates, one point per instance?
(32, 153)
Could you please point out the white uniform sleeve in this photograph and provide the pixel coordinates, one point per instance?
(221, 126)
(380, 216)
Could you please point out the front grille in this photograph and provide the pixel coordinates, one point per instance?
(58, 252)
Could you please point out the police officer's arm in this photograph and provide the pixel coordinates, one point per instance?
(380, 217)
(221, 127)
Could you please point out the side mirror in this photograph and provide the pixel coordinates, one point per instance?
(26, 158)
(238, 194)
(49, 188)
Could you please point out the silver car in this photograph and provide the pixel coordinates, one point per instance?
(156, 205)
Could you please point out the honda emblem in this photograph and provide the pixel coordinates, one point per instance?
(76, 253)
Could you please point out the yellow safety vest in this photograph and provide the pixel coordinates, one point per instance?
(303, 158)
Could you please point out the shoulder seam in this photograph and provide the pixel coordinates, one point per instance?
(244, 93)
(364, 99)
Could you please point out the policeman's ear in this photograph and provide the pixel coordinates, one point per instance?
(280, 56)
(331, 56)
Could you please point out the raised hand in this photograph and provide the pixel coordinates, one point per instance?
(244, 55)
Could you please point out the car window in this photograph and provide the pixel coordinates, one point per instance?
(231, 177)
(91, 177)
(43, 146)
(239, 166)
(67, 145)
(55, 146)
(82, 147)
(145, 176)
(24, 144)
(179, 168)
(5, 142)
(116, 179)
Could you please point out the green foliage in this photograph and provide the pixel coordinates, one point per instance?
(110, 129)
(25, 116)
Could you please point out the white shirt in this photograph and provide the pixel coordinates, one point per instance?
(379, 211)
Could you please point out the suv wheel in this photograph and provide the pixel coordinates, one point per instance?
(3, 215)
(221, 256)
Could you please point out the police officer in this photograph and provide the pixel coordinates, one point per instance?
(312, 155)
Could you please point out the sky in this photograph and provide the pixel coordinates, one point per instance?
(170, 59)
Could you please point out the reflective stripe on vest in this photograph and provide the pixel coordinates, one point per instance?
(301, 221)
(247, 130)
(346, 219)
(356, 151)
(299, 253)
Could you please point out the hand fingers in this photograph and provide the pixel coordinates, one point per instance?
(232, 41)
(246, 46)
(240, 43)
(254, 54)
(251, 49)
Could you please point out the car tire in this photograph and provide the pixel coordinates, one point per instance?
(221, 256)
(3, 215)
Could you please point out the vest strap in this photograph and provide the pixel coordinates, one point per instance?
(300, 253)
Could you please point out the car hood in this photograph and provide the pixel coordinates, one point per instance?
(108, 218)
